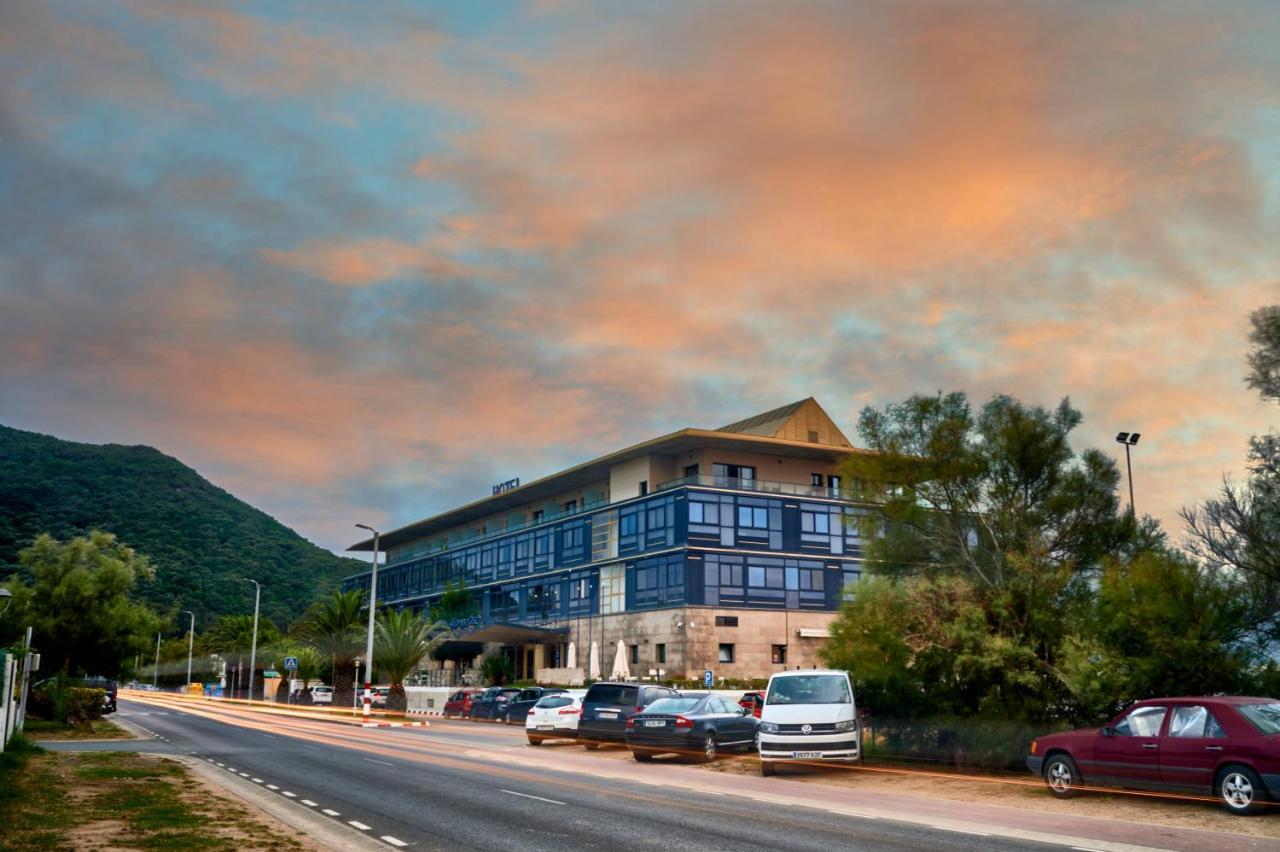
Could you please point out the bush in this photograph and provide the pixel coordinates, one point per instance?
(960, 743)
(84, 705)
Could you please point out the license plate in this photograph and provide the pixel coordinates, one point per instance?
(546, 727)
(606, 715)
(800, 755)
(655, 724)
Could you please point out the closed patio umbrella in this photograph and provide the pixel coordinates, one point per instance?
(595, 661)
(573, 656)
(620, 668)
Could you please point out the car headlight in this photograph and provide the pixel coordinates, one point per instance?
(847, 725)
(768, 728)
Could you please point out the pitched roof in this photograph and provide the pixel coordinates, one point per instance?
(803, 420)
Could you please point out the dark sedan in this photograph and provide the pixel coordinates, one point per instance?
(493, 703)
(1228, 747)
(608, 705)
(695, 724)
(517, 710)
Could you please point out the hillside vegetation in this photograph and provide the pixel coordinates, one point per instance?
(200, 539)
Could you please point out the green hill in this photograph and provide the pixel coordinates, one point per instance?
(201, 539)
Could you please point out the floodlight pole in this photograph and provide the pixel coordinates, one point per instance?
(1128, 464)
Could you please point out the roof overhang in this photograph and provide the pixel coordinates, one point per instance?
(676, 443)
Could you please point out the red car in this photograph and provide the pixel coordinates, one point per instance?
(1227, 747)
(459, 703)
(753, 701)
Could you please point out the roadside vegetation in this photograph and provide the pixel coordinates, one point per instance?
(119, 800)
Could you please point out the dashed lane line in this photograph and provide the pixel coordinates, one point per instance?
(357, 824)
(527, 796)
(330, 812)
(308, 803)
(272, 787)
(394, 841)
(288, 794)
(257, 780)
(383, 762)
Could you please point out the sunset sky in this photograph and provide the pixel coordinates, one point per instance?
(357, 262)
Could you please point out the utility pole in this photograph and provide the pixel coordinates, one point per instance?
(26, 679)
(155, 670)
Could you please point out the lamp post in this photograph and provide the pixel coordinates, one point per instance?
(253, 652)
(191, 638)
(155, 669)
(373, 601)
(1129, 439)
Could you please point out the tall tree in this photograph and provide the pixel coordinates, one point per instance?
(401, 640)
(1240, 530)
(79, 602)
(333, 628)
(232, 637)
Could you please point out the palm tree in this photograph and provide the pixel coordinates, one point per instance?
(333, 629)
(232, 637)
(400, 641)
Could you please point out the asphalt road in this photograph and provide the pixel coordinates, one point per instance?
(411, 787)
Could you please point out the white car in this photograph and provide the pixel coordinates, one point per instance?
(554, 717)
(322, 695)
(808, 716)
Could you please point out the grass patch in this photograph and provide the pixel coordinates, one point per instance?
(66, 800)
(99, 729)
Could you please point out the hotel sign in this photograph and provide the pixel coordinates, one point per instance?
(509, 485)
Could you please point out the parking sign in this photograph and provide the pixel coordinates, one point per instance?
(291, 664)
(709, 678)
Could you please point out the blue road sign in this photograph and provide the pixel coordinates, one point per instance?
(291, 664)
(709, 678)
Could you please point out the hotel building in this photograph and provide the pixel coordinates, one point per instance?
(705, 549)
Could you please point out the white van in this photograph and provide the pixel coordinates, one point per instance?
(809, 716)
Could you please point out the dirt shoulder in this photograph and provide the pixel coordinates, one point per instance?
(120, 800)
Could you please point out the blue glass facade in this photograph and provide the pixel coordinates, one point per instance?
(688, 545)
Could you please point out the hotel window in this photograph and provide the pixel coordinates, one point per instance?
(634, 654)
(644, 487)
(833, 482)
(571, 506)
(704, 513)
(815, 479)
(537, 516)
(780, 655)
(657, 517)
(815, 522)
(691, 471)
(764, 578)
(726, 621)
(660, 652)
(613, 589)
(746, 473)
(753, 517)
(627, 524)
(726, 652)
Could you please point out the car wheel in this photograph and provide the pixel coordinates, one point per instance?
(1061, 775)
(708, 749)
(642, 756)
(535, 740)
(1241, 790)
(767, 769)
(591, 746)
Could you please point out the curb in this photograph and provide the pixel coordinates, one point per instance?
(395, 724)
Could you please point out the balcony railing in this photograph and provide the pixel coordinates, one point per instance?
(762, 486)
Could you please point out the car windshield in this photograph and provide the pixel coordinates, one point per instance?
(614, 694)
(1264, 717)
(809, 689)
(673, 705)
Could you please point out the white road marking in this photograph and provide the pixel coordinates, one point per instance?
(383, 762)
(313, 748)
(244, 774)
(960, 830)
(257, 780)
(358, 824)
(272, 787)
(290, 795)
(330, 812)
(527, 796)
(308, 803)
(393, 841)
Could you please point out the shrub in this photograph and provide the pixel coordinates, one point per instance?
(84, 705)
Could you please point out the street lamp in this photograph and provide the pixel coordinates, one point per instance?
(253, 653)
(1129, 439)
(155, 670)
(191, 638)
(373, 600)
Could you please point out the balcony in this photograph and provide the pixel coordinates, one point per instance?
(761, 486)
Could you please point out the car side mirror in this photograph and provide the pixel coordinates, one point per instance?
(1107, 731)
